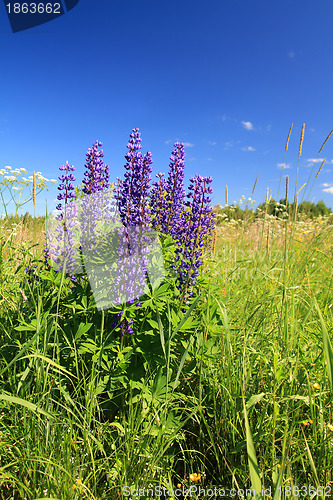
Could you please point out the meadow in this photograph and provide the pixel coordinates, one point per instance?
(230, 389)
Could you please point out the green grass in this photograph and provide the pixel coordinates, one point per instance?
(238, 390)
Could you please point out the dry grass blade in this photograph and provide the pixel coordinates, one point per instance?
(329, 135)
(301, 141)
(287, 143)
(321, 166)
(255, 184)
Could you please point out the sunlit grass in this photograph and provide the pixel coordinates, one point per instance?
(247, 376)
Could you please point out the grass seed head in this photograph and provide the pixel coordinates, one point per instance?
(329, 135)
(301, 141)
(321, 166)
(287, 143)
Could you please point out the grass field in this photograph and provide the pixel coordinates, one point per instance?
(235, 393)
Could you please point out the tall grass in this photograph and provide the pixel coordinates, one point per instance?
(235, 394)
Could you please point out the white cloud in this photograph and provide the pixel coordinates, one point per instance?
(291, 54)
(188, 145)
(230, 144)
(315, 160)
(328, 190)
(249, 148)
(283, 165)
(212, 143)
(167, 142)
(325, 184)
(209, 159)
(247, 125)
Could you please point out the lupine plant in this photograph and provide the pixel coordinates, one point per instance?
(61, 243)
(141, 207)
(97, 172)
(175, 193)
(196, 224)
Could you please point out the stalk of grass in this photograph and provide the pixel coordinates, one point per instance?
(284, 158)
(255, 184)
(299, 155)
(315, 162)
(296, 197)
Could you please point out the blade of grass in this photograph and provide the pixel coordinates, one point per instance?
(327, 348)
(253, 464)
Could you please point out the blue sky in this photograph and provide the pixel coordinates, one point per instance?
(226, 77)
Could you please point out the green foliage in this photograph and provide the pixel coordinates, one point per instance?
(238, 387)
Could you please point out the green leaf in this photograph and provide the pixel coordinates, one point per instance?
(253, 464)
(83, 328)
(254, 400)
(23, 402)
(327, 348)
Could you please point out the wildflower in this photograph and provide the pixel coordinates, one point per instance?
(316, 386)
(62, 250)
(31, 273)
(197, 223)
(175, 192)
(132, 192)
(158, 201)
(195, 477)
(97, 173)
(330, 427)
(132, 200)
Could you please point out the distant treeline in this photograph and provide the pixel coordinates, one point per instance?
(272, 207)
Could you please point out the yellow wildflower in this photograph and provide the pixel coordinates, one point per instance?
(195, 476)
(330, 427)
(316, 385)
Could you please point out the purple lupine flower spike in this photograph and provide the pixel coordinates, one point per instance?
(171, 219)
(198, 223)
(97, 173)
(62, 250)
